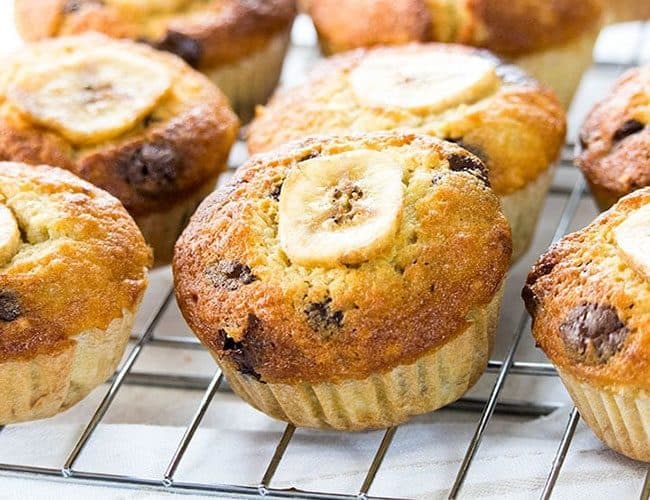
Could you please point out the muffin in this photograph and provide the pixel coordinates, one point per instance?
(615, 139)
(619, 11)
(589, 297)
(348, 282)
(137, 122)
(553, 41)
(239, 45)
(72, 273)
(461, 94)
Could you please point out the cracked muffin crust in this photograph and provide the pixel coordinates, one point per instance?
(240, 45)
(392, 268)
(468, 96)
(72, 273)
(139, 123)
(551, 40)
(615, 139)
(588, 296)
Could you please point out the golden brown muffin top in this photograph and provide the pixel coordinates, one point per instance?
(468, 96)
(205, 33)
(616, 137)
(71, 260)
(589, 297)
(507, 28)
(316, 264)
(134, 121)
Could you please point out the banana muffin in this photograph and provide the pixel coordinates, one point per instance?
(553, 41)
(72, 273)
(348, 282)
(589, 297)
(239, 45)
(461, 94)
(615, 139)
(137, 122)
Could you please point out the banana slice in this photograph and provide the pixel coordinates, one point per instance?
(9, 235)
(423, 81)
(633, 239)
(341, 209)
(91, 95)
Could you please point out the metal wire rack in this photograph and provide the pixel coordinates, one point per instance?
(486, 407)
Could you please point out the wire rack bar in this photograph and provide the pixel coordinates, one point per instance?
(377, 461)
(645, 491)
(565, 220)
(168, 477)
(115, 387)
(281, 447)
(560, 456)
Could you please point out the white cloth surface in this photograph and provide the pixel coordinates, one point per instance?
(235, 443)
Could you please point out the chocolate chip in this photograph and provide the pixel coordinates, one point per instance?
(230, 275)
(151, 169)
(320, 316)
(275, 193)
(9, 306)
(76, 5)
(545, 264)
(593, 333)
(472, 148)
(468, 163)
(628, 128)
(185, 47)
(240, 352)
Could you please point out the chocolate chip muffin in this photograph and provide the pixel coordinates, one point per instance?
(137, 122)
(348, 282)
(460, 94)
(239, 45)
(589, 299)
(615, 139)
(553, 41)
(72, 273)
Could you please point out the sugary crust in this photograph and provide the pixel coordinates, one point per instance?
(226, 30)
(450, 255)
(587, 267)
(80, 265)
(616, 139)
(517, 130)
(507, 28)
(193, 119)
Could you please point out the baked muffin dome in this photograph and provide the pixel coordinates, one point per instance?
(551, 40)
(615, 139)
(589, 297)
(137, 122)
(348, 282)
(461, 94)
(239, 45)
(72, 273)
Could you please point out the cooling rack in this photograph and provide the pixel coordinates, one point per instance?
(485, 407)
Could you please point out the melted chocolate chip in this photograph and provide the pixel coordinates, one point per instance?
(628, 128)
(9, 306)
(320, 316)
(240, 353)
(468, 163)
(275, 193)
(542, 267)
(151, 169)
(472, 148)
(593, 333)
(185, 47)
(76, 5)
(230, 275)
